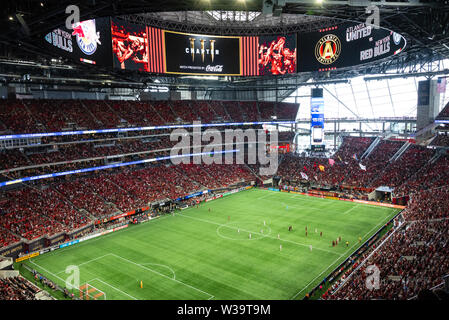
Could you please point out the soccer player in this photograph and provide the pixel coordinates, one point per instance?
(310, 247)
(360, 239)
(279, 236)
(290, 228)
(250, 235)
(347, 243)
(321, 233)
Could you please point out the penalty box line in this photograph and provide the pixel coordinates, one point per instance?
(164, 276)
(109, 285)
(55, 275)
(132, 262)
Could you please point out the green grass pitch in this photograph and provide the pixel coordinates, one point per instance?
(202, 254)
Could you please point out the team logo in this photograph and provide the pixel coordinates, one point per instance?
(328, 49)
(87, 36)
(396, 38)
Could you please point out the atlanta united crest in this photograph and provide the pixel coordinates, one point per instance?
(328, 49)
(87, 36)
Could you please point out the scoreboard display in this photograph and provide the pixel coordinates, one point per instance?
(346, 45)
(317, 120)
(119, 44)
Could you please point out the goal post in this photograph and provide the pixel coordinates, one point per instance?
(89, 292)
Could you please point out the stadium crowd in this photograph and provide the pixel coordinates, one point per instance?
(31, 116)
(413, 258)
(17, 288)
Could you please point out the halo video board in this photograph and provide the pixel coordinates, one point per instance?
(123, 45)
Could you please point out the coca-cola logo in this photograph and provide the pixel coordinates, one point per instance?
(217, 68)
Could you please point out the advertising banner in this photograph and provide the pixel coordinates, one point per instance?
(201, 54)
(28, 256)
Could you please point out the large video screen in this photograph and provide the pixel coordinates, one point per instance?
(277, 54)
(201, 54)
(87, 42)
(130, 46)
(116, 43)
(346, 45)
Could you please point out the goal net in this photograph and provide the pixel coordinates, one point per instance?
(89, 292)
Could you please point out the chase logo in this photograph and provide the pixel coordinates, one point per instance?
(87, 37)
(328, 49)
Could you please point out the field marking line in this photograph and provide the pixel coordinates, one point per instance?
(263, 236)
(162, 275)
(350, 209)
(34, 263)
(229, 238)
(303, 207)
(161, 265)
(109, 285)
(53, 274)
(344, 253)
(265, 196)
(79, 265)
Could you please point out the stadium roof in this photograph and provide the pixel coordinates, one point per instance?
(423, 23)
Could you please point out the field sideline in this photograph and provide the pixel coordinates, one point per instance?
(202, 254)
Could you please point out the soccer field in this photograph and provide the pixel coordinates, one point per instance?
(197, 254)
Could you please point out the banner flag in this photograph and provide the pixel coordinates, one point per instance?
(441, 85)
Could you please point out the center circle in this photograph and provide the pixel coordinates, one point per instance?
(241, 231)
